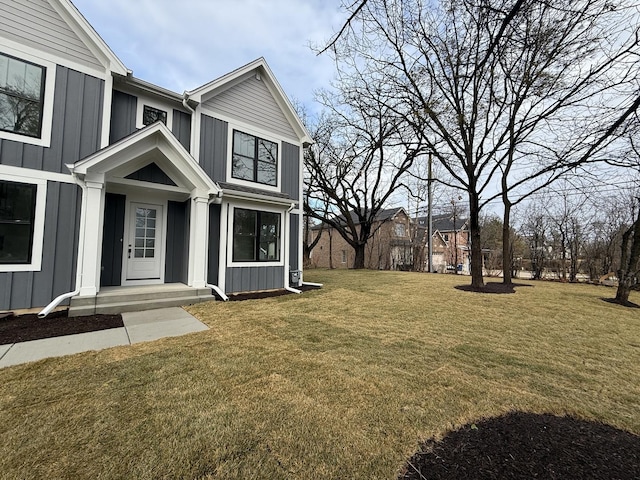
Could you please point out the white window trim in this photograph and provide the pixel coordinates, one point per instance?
(142, 101)
(44, 140)
(260, 208)
(256, 133)
(38, 224)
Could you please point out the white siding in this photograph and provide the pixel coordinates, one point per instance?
(251, 102)
(37, 24)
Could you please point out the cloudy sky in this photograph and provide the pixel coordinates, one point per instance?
(182, 44)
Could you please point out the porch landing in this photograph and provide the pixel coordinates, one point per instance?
(111, 300)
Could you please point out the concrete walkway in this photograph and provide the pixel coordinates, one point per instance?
(138, 327)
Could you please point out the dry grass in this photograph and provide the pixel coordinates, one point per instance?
(341, 382)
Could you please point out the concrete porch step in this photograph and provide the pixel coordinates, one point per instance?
(113, 300)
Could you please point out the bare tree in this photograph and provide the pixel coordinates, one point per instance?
(360, 158)
(489, 85)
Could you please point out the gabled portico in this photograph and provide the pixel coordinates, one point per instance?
(148, 173)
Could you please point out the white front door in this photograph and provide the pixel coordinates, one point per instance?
(144, 248)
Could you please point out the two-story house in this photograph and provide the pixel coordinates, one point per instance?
(108, 182)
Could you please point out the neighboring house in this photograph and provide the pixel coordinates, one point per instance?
(389, 248)
(450, 245)
(107, 180)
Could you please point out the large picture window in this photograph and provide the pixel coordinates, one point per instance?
(256, 236)
(17, 219)
(21, 96)
(254, 159)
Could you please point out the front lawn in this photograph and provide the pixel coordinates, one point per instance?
(342, 382)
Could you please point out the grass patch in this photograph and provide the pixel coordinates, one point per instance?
(342, 382)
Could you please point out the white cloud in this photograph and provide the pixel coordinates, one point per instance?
(183, 44)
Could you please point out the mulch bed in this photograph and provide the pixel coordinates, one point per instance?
(525, 445)
(237, 297)
(23, 328)
(493, 287)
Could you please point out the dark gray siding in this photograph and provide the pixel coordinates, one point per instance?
(59, 255)
(247, 279)
(214, 244)
(291, 170)
(75, 134)
(151, 173)
(182, 128)
(293, 240)
(113, 232)
(123, 115)
(177, 257)
(213, 147)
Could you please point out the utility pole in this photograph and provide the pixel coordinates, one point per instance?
(429, 219)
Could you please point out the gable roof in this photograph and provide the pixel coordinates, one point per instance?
(443, 223)
(258, 67)
(156, 144)
(86, 32)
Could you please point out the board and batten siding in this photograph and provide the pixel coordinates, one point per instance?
(251, 102)
(123, 119)
(123, 115)
(291, 170)
(214, 244)
(77, 120)
(177, 253)
(247, 279)
(294, 243)
(37, 24)
(59, 254)
(213, 147)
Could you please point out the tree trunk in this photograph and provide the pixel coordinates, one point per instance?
(627, 275)
(358, 262)
(476, 247)
(507, 252)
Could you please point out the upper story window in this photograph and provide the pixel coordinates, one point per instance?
(152, 115)
(400, 229)
(21, 96)
(254, 159)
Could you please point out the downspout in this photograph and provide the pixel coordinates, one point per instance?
(83, 218)
(287, 238)
(215, 288)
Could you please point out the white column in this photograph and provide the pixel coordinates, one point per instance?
(91, 237)
(198, 241)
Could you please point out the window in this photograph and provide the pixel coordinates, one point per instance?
(400, 229)
(344, 256)
(17, 220)
(254, 159)
(446, 237)
(21, 96)
(256, 236)
(152, 115)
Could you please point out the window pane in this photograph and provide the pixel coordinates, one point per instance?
(242, 168)
(151, 115)
(17, 214)
(139, 242)
(20, 96)
(267, 173)
(267, 151)
(269, 233)
(243, 248)
(244, 144)
(148, 253)
(139, 253)
(244, 221)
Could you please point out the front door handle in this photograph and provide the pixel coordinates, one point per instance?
(129, 252)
